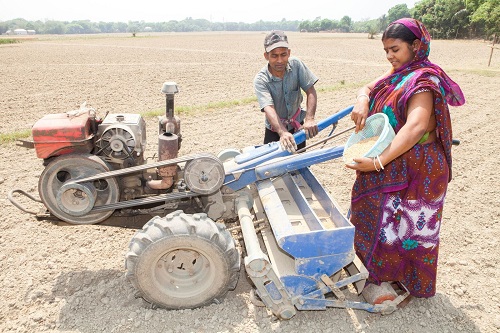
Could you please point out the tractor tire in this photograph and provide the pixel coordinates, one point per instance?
(182, 261)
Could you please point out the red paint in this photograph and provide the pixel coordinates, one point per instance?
(62, 133)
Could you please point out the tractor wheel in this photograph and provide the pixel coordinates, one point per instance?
(183, 261)
(72, 203)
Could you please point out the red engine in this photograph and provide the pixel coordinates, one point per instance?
(64, 133)
(77, 145)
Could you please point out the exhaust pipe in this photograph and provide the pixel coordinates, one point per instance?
(169, 139)
(168, 148)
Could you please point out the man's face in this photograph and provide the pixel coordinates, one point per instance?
(278, 59)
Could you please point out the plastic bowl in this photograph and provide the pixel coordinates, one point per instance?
(376, 125)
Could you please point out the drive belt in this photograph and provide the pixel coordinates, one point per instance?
(133, 169)
(144, 201)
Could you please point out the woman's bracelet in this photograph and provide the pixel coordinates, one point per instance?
(362, 95)
(375, 165)
(381, 165)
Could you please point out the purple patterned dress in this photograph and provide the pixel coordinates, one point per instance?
(397, 212)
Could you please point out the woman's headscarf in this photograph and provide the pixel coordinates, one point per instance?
(454, 95)
(391, 94)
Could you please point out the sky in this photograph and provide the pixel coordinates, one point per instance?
(213, 10)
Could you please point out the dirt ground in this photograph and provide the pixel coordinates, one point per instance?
(72, 278)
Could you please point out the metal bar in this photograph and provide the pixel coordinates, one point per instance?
(259, 269)
(310, 217)
(241, 173)
(295, 162)
(247, 228)
(300, 136)
(13, 201)
(325, 139)
(276, 213)
(329, 205)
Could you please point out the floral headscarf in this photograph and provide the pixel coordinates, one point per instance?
(391, 94)
(454, 95)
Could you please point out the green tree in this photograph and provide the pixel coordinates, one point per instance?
(120, 27)
(373, 29)
(74, 28)
(30, 26)
(305, 26)
(383, 22)
(346, 24)
(443, 18)
(3, 27)
(369, 26)
(168, 26)
(488, 15)
(106, 27)
(453, 18)
(54, 27)
(203, 24)
(316, 25)
(397, 12)
(133, 28)
(326, 24)
(88, 27)
(424, 12)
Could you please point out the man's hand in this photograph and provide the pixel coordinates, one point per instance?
(310, 128)
(287, 141)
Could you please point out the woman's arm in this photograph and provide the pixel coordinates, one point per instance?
(420, 109)
(419, 112)
(361, 107)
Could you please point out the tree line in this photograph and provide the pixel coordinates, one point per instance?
(445, 19)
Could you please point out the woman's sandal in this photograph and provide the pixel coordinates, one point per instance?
(387, 292)
(374, 294)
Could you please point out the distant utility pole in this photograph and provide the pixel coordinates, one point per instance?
(492, 47)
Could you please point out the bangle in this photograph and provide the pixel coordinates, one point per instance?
(362, 95)
(375, 165)
(381, 165)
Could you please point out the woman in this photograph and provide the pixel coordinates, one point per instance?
(398, 196)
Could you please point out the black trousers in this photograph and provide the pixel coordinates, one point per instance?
(270, 136)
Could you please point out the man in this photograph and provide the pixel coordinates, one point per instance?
(278, 88)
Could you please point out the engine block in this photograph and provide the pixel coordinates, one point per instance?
(121, 139)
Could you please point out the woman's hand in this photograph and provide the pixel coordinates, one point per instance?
(360, 112)
(361, 107)
(364, 164)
